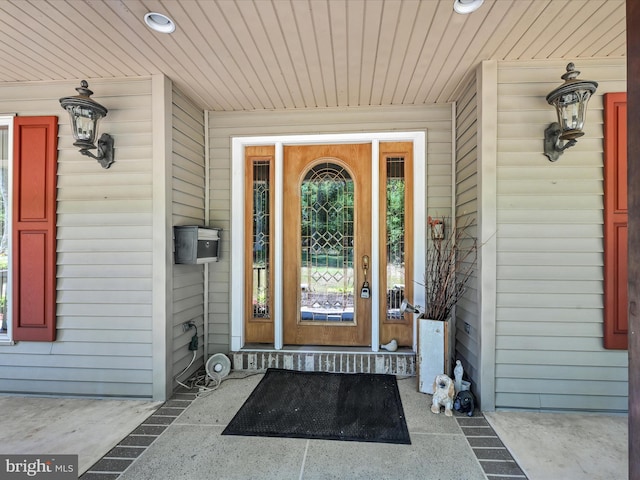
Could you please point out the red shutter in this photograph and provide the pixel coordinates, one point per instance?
(34, 228)
(615, 221)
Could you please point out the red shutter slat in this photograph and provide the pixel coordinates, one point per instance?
(34, 228)
(615, 222)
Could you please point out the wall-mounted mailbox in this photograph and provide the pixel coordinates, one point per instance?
(195, 244)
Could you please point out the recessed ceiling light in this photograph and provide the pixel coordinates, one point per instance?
(159, 22)
(466, 6)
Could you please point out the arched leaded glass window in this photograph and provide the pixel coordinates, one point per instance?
(327, 230)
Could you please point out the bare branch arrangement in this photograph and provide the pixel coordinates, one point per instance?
(451, 260)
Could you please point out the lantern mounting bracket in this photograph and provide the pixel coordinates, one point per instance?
(553, 147)
(104, 150)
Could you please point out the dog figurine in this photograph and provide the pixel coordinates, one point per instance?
(443, 391)
(464, 403)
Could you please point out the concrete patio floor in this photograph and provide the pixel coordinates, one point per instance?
(181, 439)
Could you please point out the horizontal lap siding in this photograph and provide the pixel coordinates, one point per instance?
(466, 202)
(104, 244)
(188, 209)
(435, 120)
(549, 325)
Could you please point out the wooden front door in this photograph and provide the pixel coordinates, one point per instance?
(327, 244)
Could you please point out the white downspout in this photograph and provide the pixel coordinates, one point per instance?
(207, 215)
(452, 330)
(453, 162)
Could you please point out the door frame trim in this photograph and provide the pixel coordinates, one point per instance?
(237, 221)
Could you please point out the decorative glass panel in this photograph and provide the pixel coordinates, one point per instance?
(395, 242)
(261, 239)
(327, 230)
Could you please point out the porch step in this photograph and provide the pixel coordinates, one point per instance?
(401, 363)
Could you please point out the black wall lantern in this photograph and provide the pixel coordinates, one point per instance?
(85, 113)
(570, 100)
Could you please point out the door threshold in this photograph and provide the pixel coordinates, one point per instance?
(258, 347)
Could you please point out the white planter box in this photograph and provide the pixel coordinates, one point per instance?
(433, 350)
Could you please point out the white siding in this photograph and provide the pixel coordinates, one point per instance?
(549, 347)
(188, 209)
(467, 321)
(104, 250)
(434, 119)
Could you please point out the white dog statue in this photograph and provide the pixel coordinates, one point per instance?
(443, 392)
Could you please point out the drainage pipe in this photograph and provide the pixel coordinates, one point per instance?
(207, 215)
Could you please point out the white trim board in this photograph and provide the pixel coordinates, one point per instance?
(7, 121)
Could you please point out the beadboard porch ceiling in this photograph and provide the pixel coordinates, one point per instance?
(231, 55)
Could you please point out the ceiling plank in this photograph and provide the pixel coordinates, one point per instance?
(340, 49)
(446, 55)
(220, 85)
(223, 52)
(274, 35)
(355, 42)
(437, 28)
(51, 37)
(563, 30)
(536, 29)
(372, 20)
(256, 58)
(414, 51)
(602, 33)
(404, 32)
(519, 29)
(293, 44)
(478, 29)
(306, 32)
(325, 50)
(387, 36)
(189, 60)
(31, 45)
(617, 47)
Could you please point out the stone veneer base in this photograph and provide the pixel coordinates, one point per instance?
(392, 363)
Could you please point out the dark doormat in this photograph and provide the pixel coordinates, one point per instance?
(356, 407)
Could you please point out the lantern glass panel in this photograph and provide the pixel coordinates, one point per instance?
(571, 109)
(84, 122)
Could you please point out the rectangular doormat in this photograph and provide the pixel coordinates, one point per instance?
(357, 407)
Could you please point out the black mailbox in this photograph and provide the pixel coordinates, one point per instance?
(195, 244)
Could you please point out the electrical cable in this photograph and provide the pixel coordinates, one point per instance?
(193, 358)
(203, 382)
(206, 382)
(194, 341)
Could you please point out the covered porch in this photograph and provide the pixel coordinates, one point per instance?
(181, 439)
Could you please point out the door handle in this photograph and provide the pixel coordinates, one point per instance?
(365, 265)
(365, 291)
